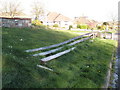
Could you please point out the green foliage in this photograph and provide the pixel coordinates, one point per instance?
(82, 26)
(70, 26)
(88, 27)
(102, 27)
(36, 22)
(99, 27)
(78, 26)
(105, 23)
(55, 25)
(88, 63)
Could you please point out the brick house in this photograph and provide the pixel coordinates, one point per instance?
(15, 22)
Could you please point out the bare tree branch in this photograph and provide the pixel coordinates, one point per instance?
(114, 19)
(37, 9)
(11, 9)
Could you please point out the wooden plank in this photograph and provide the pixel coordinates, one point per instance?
(54, 50)
(44, 67)
(78, 41)
(56, 45)
(48, 52)
(57, 55)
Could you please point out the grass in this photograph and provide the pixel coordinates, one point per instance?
(77, 31)
(111, 31)
(85, 67)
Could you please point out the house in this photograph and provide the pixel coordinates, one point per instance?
(56, 18)
(15, 22)
(113, 24)
(84, 20)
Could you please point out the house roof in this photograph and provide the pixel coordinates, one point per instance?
(85, 20)
(82, 20)
(22, 15)
(53, 16)
(60, 17)
(18, 18)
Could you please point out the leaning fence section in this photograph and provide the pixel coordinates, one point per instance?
(59, 44)
(70, 42)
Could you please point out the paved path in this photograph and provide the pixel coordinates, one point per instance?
(119, 60)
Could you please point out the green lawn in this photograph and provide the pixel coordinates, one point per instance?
(85, 67)
(77, 31)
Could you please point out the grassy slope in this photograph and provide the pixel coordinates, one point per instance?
(86, 66)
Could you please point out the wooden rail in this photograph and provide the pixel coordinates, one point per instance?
(56, 45)
(57, 55)
(63, 52)
(48, 58)
(54, 50)
(44, 67)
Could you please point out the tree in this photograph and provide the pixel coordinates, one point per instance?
(11, 9)
(114, 19)
(106, 24)
(37, 9)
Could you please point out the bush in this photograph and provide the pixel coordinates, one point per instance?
(36, 22)
(98, 27)
(88, 27)
(82, 26)
(101, 27)
(78, 26)
(55, 25)
(70, 26)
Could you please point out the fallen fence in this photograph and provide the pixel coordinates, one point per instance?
(48, 58)
(56, 45)
(57, 55)
(54, 50)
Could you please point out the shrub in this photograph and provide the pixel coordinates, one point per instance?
(36, 22)
(70, 26)
(82, 26)
(98, 27)
(78, 26)
(88, 27)
(55, 25)
(101, 27)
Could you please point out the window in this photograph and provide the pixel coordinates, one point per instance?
(16, 22)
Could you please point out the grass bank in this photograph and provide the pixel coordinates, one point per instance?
(85, 67)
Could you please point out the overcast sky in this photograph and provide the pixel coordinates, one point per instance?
(100, 10)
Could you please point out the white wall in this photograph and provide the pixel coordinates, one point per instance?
(65, 24)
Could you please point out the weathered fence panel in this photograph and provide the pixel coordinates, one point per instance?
(48, 52)
(57, 55)
(56, 45)
(54, 50)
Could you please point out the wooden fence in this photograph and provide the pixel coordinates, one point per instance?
(112, 36)
(69, 42)
(56, 45)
